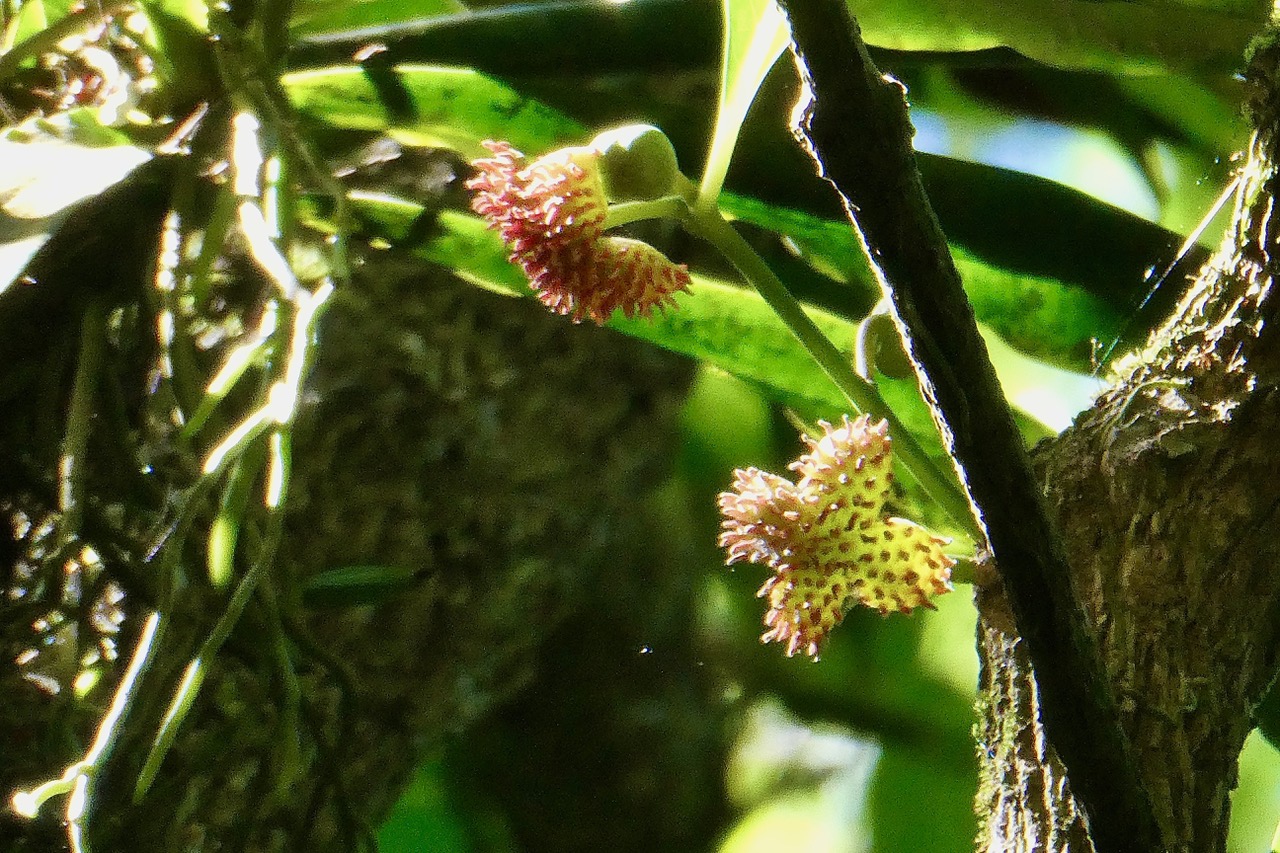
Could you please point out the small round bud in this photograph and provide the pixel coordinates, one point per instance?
(637, 162)
(879, 346)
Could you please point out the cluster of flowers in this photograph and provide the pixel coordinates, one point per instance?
(827, 539)
(551, 214)
(825, 535)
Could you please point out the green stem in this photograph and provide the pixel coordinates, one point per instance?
(288, 751)
(218, 226)
(75, 443)
(184, 696)
(862, 395)
(624, 213)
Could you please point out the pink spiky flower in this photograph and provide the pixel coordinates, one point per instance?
(553, 203)
(827, 539)
(605, 275)
(551, 214)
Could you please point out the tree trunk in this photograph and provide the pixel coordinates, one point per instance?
(502, 453)
(1167, 493)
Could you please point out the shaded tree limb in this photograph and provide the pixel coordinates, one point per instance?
(855, 126)
(1168, 489)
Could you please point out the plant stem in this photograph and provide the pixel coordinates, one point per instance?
(862, 395)
(624, 213)
(75, 443)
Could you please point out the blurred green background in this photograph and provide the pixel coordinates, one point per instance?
(1074, 153)
(870, 748)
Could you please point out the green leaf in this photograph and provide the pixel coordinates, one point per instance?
(1112, 36)
(41, 180)
(452, 107)
(323, 16)
(194, 13)
(1043, 317)
(731, 327)
(350, 586)
(461, 241)
(755, 34)
(1205, 116)
(178, 35)
(31, 19)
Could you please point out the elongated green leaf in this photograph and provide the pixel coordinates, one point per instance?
(734, 329)
(1097, 35)
(318, 16)
(31, 19)
(755, 34)
(1041, 316)
(1202, 114)
(731, 327)
(178, 38)
(452, 107)
(352, 586)
(461, 242)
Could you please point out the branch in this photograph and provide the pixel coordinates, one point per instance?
(856, 129)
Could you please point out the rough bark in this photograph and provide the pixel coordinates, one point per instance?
(1167, 493)
(1154, 639)
(854, 124)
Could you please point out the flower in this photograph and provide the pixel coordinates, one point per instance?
(551, 214)
(555, 202)
(827, 539)
(608, 274)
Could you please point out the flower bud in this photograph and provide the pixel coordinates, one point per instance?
(638, 162)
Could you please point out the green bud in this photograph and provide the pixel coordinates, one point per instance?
(637, 162)
(879, 346)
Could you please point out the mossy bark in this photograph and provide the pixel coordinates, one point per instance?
(505, 455)
(1167, 493)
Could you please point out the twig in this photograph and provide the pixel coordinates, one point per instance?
(861, 394)
(856, 129)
